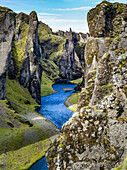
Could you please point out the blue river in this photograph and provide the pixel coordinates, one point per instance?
(53, 108)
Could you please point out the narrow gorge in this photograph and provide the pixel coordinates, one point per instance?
(32, 59)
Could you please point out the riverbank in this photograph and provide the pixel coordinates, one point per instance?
(42, 130)
(72, 101)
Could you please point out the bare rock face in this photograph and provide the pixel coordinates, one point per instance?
(7, 22)
(69, 64)
(95, 137)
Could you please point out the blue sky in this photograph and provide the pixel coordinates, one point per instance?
(58, 14)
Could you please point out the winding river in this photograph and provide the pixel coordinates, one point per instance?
(53, 108)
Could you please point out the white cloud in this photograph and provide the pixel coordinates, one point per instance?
(72, 9)
(47, 14)
(62, 20)
(65, 24)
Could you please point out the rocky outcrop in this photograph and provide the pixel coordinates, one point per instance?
(27, 41)
(26, 54)
(106, 19)
(63, 52)
(20, 51)
(95, 137)
(69, 64)
(7, 22)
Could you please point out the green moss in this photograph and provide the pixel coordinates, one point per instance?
(18, 48)
(77, 81)
(123, 166)
(52, 44)
(43, 32)
(105, 56)
(79, 49)
(46, 85)
(106, 89)
(3, 11)
(120, 9)
(24, 157)
(61, 145)
(19, 97)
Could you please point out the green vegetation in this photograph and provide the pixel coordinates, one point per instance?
(24, 157)
(3, 11)
(79, 48)
(76, 81)
(46, 85)
(72, 101)
(95, 13)
(15, 138)
(53, 44)
(123, 166)
(19, 97)
(74, 98)
(53, 49)
(18, 48)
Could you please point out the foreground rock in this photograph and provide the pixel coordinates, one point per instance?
(95, 137)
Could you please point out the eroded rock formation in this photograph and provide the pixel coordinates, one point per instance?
(95, 137)
(7, 22)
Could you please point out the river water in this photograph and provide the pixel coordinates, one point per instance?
(53, 108)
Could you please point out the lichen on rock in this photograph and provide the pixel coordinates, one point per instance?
(95, 137)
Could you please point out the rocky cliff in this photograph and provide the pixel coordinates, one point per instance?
(7, 22)
(62, 52)
(32, 58)
(26, 54)
(95, 137)
(20, 51)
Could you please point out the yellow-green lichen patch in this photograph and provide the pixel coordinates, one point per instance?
(19, 97)
(24, 157)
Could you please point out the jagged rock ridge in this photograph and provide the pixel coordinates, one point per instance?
(29, 47)
(95, 137)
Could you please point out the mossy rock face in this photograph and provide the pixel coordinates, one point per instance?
(79, 49)
(4, 12)
(106, 19)
(125, 13)
(87, 92)
(20, 40)
(56, 52)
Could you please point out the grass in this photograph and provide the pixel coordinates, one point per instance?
(72, 101)
(19, 97)
(74, 98)
(15, 138)
(46, 85)
(26, 156)
(76, 81)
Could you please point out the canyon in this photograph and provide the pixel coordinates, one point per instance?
(33, 58)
